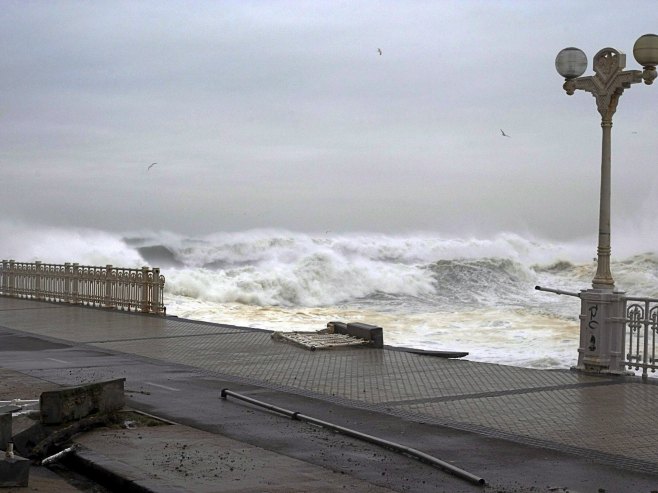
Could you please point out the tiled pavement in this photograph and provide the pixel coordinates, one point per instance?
(605, 418)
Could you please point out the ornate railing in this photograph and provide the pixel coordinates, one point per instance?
(107, 287)
(641, 334)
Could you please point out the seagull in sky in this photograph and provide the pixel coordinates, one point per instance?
(150, 166)
(504, 134)
(379, 50)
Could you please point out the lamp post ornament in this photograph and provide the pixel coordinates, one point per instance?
(602, 326)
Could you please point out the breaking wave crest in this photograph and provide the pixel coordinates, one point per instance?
(426, 290)
(275, 268)
(283, 268)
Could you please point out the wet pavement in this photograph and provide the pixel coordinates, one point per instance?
(520, 429)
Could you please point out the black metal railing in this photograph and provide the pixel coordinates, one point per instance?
(641, 334)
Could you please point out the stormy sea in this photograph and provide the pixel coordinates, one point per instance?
(427, 291)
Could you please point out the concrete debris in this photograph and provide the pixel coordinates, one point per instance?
(371, 333)
(318, 340)
(337, 334)
(55, 439)
(74, 403)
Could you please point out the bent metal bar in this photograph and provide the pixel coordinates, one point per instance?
(107, 287)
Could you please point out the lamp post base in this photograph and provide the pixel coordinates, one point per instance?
(601, 332)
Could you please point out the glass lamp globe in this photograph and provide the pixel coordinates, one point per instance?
(571, 63)
(645, 50)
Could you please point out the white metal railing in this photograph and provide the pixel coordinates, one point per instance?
(641, 334)
(107, 287)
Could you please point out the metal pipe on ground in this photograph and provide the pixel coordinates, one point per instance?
(417, 454)
(59, 455)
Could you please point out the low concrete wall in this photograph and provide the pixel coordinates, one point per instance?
(73, 403)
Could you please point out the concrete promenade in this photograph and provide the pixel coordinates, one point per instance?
(520, 429)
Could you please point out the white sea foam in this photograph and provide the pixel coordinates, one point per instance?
(427, 291)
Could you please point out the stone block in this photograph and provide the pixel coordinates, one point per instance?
(362, 331)
(14, 472)
(367, 332)
(74, 403)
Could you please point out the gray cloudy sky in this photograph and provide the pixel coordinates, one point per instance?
(283, 114)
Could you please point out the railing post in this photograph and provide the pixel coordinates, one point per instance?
(12, 274)
(157, 306)
(75, 283)
(67, 282)
(645, 349)
(624, 352)
(145, 290)
(5, 274)
(108, 302)
(652, 359)
(37, 280)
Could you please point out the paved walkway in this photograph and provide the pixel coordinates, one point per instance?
(605, 419)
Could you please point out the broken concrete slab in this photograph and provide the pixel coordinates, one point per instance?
(368, 332)
(74, 403)
(371, 333)
(318, 340)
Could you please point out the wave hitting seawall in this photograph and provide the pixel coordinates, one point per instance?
(427, 291)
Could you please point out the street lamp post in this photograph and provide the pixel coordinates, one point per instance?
(602, 326)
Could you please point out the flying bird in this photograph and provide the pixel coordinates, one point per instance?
(504, 134)
(150, 166)
(379, 50)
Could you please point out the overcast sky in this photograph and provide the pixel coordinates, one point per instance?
(284, 114)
